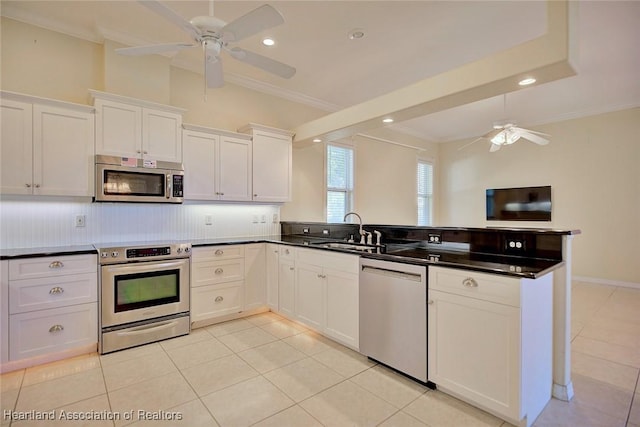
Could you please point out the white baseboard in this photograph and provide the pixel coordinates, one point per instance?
(607, 282)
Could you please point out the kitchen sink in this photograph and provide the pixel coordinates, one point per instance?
(346, 246)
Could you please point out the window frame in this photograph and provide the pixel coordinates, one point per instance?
(350, 193)
(429, 197)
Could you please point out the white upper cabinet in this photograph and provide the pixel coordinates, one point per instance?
(272, 163)
(128, 127)
(217, 164)
(47, 147)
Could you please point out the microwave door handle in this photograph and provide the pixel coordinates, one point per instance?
(168, 186)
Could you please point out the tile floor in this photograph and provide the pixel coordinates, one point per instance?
(267, 371)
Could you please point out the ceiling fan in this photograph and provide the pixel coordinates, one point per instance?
(506, 133)
(215, 35)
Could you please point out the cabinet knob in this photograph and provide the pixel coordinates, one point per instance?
(56, 264)
(219, 299)
(28, 185)
(56, 290)
(470, 283)
(287, 251)
(138, 151)
(255, 195)
(145, 152)
(430, 302)
(37, 185)
(56, 328)
(219, 271)
(219, 252)
(291, 268)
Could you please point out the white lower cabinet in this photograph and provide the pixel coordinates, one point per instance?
(255, 290)
(272, 276)
(310, 289)
(489, 341)
(49, 307)
(286, 285)
(209, 302)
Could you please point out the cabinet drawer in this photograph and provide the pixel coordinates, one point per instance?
(286, 252)
(32, 268)
(210, 253)
(49, 331)
(212, 272)
(52, 292)
(212, 301)
(326, 259)
(488, 287)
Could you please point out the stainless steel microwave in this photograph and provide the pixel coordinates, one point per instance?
(126, 179)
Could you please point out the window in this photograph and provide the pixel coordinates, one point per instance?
(425, 193)
(339, 182)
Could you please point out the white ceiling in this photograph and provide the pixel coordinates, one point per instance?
(405, 42)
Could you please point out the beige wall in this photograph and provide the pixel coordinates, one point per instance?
(592, 165)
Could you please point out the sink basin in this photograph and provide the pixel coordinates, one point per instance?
(348, 246)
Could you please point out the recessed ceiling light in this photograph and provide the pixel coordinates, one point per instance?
(527, 81)
(387, 120)
(317, 140)
(268, 41)
(356, 33)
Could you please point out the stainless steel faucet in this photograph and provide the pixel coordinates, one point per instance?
(362, 234)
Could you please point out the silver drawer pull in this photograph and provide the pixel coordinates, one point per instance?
(470, 283)
(430, 302)
(56, 264)
(219, 299)
(56, 328)
(219, 271)
(56, 290)
(219, 252)
(286, 251)
(291, 268)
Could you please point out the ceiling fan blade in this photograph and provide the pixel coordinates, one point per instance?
(171, 16)
(491, 134)
(252, 23)
(213, 72)
(472, 142)
(154, 48)
(534, 138)
(494, 147)
(267, 64)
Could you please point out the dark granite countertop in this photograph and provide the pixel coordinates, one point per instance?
(46, 251)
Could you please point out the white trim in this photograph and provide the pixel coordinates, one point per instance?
(204, 129)
(607, 282)
(96, 94)
(387, 141)
(15, 96)
(49, 24)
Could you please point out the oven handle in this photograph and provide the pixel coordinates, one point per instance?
(146, 329)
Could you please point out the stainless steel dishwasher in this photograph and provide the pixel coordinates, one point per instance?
(393, 315)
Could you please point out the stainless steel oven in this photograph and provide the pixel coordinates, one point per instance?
(144, 294)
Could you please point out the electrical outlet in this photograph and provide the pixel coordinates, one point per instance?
(256, 219)
(275, 218)
(435, 238)
(305, 230)
(263, 219)
(515, 245)
(208, 220)
(81, 221)
(325, 231)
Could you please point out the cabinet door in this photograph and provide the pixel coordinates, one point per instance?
(272, 276)
(63, 151)
(199, 156)
(209, 302)
(286, 287)
(16, 147)
(309, 295)
(255, 291)
(271, 168)
(118, 129)
(234, 176)
(161, 135)
(474, 350)
(343, 307)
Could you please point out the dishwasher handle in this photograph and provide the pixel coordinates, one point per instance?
(392, 273)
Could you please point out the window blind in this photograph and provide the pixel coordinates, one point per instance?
(339, 182)
(425, 193)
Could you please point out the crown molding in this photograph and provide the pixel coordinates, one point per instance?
(47, 23)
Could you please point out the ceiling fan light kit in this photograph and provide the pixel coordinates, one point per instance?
(215, 35)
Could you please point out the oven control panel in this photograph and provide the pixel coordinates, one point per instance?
(119, 255)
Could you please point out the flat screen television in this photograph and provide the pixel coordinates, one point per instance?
(519, 204)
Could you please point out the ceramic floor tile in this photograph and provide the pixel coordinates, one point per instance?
(11, 380)
(75, 415)
(218, 374)
(61, 391)
(8, 401)
(246, 403)
(61, 368)
(294, 416)
(226, 328)
(402, 419)
(629, 296)
(634, 414)
(264, 318)
(304, 378)
(614, 331)
(611, 400)
(568, 414)
(625, 311)
(142, 368)
(435, 408)
(613, 352)
(196, 335)
(129, 354)
(271, 356)
(156, 394)
(346, 363)
(390, 386)
(246, 339)
(283, 328)
(309, 343)
(347, 404)
(587, 299)
(190, 355)
(604, 370)
(190, 414)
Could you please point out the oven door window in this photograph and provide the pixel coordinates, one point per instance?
(140, 290)
(133, 183)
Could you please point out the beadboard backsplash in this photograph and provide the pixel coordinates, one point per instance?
(38, 223)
